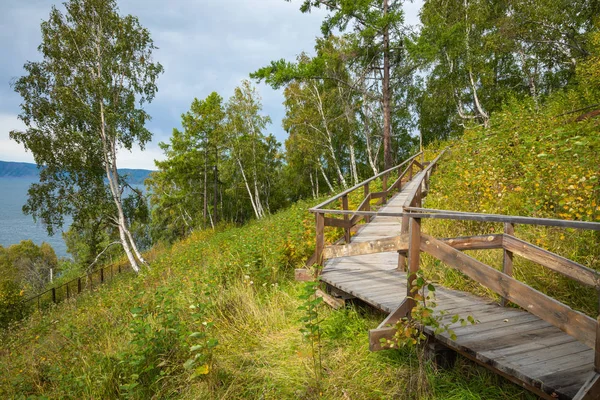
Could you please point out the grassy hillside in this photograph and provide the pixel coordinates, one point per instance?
(227, 302)
(219, 315)
(539, 163)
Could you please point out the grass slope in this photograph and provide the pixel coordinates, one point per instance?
(217, 317)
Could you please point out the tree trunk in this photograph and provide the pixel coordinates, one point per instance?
(205, 205)
(387, 117)
(326, 179)
(248, 188)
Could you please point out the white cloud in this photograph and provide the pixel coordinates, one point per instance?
(9, 149)
(139, 159)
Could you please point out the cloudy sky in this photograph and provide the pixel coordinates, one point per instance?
(204, 46)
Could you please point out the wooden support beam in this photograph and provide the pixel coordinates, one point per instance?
(320, 237)
(367, 206)
(378, 195)
(478, 242)
(507, 262)
(402, 311)
(590, 390)
(335, 222)
(330, 300)
(559, 264)
(393, 243)
(378, 336)
(346, 219)
(574, 323)
(414, 252)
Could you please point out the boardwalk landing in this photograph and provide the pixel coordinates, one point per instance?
(519, 345)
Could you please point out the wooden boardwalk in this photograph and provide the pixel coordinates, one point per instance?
(514, 343)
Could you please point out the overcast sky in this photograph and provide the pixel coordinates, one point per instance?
(204, 46)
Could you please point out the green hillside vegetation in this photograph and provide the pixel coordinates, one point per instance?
(214, 311)
(531, 162)
(226, 300)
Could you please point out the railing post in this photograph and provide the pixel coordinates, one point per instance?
(368, 204)
(102, 275)
(68, 294)
(78, 285)
(119, 268)
(320, 237)
(384, 179)
(414, 251)
(418, 197)
(54, 295)
(597, 345)
(91, 281)
(403, 231)
(507, 262)
(346, 219)
(111, 272)
(410, 171)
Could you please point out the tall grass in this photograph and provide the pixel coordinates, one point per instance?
(226, 300)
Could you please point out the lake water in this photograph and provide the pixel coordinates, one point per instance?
(16, 226)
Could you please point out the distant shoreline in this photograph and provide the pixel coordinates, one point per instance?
(22, 170)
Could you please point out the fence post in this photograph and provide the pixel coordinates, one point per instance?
(414, 251)
(368, 204)
(346, 219)
(320, 237)
(597, 346)
(102, 275)
(54, 295)
(384, 188)
(78, 285)
(507, 262)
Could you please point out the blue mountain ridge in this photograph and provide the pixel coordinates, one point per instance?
(10, 169)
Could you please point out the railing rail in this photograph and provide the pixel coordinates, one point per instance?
(350, 218)
(75, 286)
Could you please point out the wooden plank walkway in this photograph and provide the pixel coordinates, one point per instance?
(517, 344)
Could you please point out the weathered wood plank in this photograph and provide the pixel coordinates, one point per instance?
(465, 216)
(394, 243)
(590, 389)
(338, 223)
(559, 264)
(479, 242)
(572, 322)
(330, 300)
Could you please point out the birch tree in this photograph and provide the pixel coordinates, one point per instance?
(82, 104)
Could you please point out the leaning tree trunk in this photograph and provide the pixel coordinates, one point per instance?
(110, 169)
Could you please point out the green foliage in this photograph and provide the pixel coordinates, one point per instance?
(311, 328)
(425, 315)
(532, 161)
(76, 116)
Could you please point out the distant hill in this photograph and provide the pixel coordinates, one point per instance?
(28, 170)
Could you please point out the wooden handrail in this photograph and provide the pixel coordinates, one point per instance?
(466, 216)
(357, 186)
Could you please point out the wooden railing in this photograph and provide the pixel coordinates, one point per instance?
(75, 286)
(350, 218)
(449, 251)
